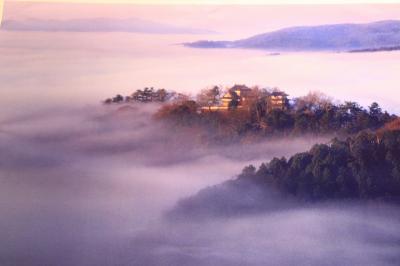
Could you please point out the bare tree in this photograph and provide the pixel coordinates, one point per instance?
(209, 96)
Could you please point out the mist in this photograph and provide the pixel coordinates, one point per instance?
(87, 184)
(92, 185)
(84, 185)
(318, 235)
(54, 69)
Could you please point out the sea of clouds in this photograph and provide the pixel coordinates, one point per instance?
(91, 186)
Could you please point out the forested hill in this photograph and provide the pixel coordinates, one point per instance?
(253, 120)
(240, 113)
(336, 37)
(364, 167)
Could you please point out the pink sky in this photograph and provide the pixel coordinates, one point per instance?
(233, 20)
(56, 64)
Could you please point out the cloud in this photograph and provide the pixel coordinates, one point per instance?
(319, 235)
(98, 25)
(90, 186)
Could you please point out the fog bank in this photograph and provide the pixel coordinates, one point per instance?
(81, 185)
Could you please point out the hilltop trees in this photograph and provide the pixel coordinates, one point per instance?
(241, 112)
(209, 96)
(360, 167)
(314, 113)
(279, 121)
(146, 95)
(117, 99)
(364, 167)
(312, 101)
(182, 113)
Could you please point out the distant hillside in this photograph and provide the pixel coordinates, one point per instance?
(98, 25)
(337, 37)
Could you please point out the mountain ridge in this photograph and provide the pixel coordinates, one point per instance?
(330, 37)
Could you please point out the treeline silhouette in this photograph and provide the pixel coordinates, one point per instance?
(147, 95)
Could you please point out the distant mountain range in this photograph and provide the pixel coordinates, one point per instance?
(98, 25)
(376, 36)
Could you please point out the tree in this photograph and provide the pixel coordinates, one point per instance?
(148, 94)
(375, 110)
(312, 101)
(279, 120)
(249, 171)
(117, 99)
(376, 115)
(234, 103)
(183, 113)
(162, 95)
(209, 96)
(107, 101)
(179, 98)
(256, 103)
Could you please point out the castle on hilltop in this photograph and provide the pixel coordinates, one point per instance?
(240, 96)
